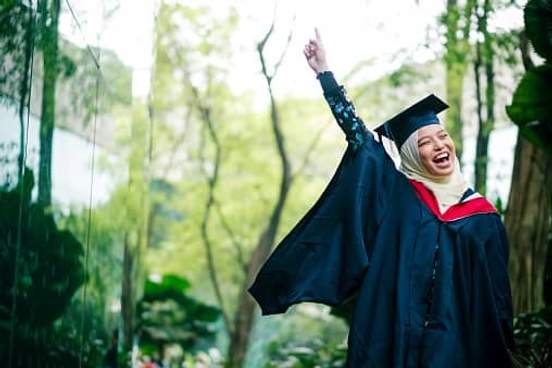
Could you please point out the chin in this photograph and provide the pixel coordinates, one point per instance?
(443, 173)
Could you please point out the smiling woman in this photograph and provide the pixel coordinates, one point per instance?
(436, 150)
(428, 156)
(423, 254)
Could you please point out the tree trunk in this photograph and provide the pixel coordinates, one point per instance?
(137, 207)
(244, 317)
(457, 49)
(50, 17)
(25, 93)
(454, 76)
(485, 126)
(527, 223)
(480, 169)
(547, 282)
(206, 117)
(528, 216)
(127, 298)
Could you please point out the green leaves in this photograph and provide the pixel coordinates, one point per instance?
(167, 315)
(50, 260)
(531, 107)
(538, 25)
(169, 284)
(316, 353)
(533, 336)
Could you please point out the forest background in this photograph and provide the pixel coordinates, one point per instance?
(154, 153)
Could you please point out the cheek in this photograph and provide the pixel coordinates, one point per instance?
(425, 156)
(451, 145)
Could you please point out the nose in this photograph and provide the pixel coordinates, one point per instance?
(438, 145)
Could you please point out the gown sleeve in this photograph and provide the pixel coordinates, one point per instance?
(324, 257)
(344, 111)
(498, 254)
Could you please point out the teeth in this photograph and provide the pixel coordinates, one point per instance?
(441, 155)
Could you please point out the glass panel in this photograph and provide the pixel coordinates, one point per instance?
(60, 297)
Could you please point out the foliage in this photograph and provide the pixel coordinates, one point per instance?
(167, 315)
(162, 215)
(37, 350)
(50, 260)
(9, 175)
(50, 271)
(80, 74)
(93, 308)
(533, 336)
(316, 353)
(14, 27)
(103, 267)
(531, 109)
(59, 345)
(538, 25)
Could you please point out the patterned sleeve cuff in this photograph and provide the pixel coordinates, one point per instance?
(327, 81)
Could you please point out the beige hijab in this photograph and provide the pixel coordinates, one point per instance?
(448, 190)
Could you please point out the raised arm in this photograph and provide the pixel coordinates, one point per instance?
(342, 108)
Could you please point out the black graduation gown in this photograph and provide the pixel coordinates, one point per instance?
(432, 289)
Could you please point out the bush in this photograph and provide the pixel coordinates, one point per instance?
(533, 336)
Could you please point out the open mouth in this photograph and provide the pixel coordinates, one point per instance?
(442, 159)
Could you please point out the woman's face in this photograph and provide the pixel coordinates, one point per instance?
(436, 149)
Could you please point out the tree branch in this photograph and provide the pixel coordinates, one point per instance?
(260, 50)
(311, 147)
(286, 47)
(226, 226)
(244, 316)
(212, 180)
(177, 143)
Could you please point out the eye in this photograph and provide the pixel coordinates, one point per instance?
(443, 135)
(423, 143)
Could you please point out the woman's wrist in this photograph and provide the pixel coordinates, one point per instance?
(324, 75)
(322, 69)
(327, 81)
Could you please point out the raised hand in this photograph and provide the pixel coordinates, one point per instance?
(316, 54)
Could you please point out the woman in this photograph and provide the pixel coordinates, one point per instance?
(424, 255)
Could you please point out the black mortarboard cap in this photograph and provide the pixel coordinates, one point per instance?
(402, 125)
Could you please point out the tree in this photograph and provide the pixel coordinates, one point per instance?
(243, 320)
(456, 62)
(49, 11)
(199, 118)
(484, 57)
(529, 205)
(17, 37)
(136, 214)
(200, 95)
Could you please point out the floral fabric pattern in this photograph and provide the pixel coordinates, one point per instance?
(344, 112)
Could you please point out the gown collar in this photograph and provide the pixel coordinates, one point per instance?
(471, 203)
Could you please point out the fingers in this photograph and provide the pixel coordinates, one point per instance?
(311, 47)
(317, 34)
(308, 52)
(316, 43)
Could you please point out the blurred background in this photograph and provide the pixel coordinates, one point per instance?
(154, 152)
